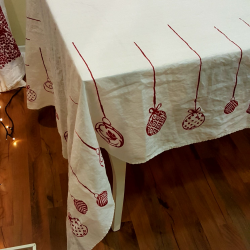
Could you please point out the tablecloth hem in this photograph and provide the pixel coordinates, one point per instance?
(18, 84)
(106, 231)
(181, 145)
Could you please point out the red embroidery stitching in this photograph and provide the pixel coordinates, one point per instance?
(112, 136)
(31, 94)
(78, 229)
(80, 205)
(97, 150)
(66, 136)
(158, 117)
(72, 100)
(230, 107)
(9, 50)
(33, 19)
(196, 118)
(48, 85)
(248, 110)
(101, 199)
(245, 22)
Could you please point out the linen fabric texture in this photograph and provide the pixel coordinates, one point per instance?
(135, 78)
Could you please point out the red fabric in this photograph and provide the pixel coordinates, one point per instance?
(9, 50)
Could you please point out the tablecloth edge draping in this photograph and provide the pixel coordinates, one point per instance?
(19, 83)
(157, 152)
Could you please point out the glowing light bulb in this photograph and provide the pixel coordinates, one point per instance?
(15, 143)
(7, 126)
(13, 139)
(1, 119)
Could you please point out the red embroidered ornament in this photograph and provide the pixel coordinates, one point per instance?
(31, 94)
(101, 199)
(97, 150)
(112, 136)
(48, 85)
(230, 107)
(156, 120)
(248, 110)
(196, 118)
(9, 50)
(158, 117)
(66, 136)
(78, 229)
(80, 205)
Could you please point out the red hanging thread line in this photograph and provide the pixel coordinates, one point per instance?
(73, 100)
(241, 53)
(154, 98)
(80, 182)
(199, 76)
(92, 78)
(43, 62)
(34, 19)
(85, 142)
(245, 22)
(72, 196)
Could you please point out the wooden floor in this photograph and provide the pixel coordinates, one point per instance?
(191, 198)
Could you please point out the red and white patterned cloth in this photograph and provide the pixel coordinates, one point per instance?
(135, 77)
(12, 69)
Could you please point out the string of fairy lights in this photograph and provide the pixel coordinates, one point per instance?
(9, 129)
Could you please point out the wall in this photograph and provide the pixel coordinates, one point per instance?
(16, 10)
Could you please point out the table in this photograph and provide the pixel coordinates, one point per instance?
(136, 78)
(12, 69)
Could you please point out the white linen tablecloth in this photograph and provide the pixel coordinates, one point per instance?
(12, 69)
(136, 78)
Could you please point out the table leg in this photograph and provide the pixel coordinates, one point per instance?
(119, 174)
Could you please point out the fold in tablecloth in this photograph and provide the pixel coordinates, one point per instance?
(12, 69)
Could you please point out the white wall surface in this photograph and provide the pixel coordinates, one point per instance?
(16, 10)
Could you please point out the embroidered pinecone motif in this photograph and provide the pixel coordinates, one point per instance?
(31, 94)
(248, 110)
(78, 229)
(230, 107)
(156, 120)
(102, 199)
(81, 206)
(194, 120)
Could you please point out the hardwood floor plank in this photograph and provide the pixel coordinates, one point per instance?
(190, 226)
(206, 207)
(39, 212)
(226, 196)
(20, 230)
(51, 154)
(150, 231)
(57, 221)
(191, 198)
